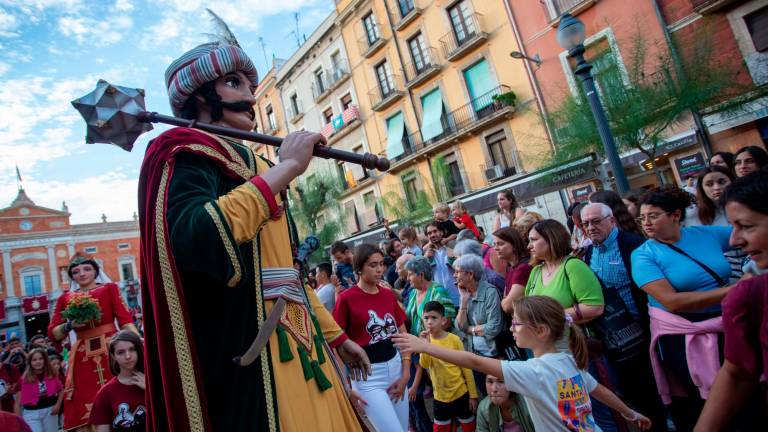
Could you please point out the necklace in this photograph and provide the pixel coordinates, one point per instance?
(549, 272)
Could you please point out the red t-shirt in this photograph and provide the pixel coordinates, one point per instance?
(9, 380)
(368, 318)
(121, 406)
(517, 275)
(466, 219)
(745, 320)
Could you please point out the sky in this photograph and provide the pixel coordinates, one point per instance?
(54, 51)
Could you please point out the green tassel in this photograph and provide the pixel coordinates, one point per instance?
(319, 341)
(319, 348)
(306, 366)
(282, 343)
(322, 381)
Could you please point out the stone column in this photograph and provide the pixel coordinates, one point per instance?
(53, 270)
(71, 248)
(8, 271)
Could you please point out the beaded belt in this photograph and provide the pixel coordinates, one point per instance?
(282, 282)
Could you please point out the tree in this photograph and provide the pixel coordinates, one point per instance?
(315, 201)
(642, 105)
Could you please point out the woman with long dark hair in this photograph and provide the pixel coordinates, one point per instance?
(508, 210)
(370, 315)
(749, 159)
(723, 159)
(119, 405)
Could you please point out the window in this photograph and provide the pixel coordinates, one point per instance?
(320, 81)
(418, 48)
(32, 281)
(480, 83)
(358, 170)
(396, 142)
(371, 29)
(757, 24)
(341, 173)
(346, 101)
(352, 224)
(369, 199)
(123, 246)
(63, 276)
(328, 115)
(405, 7)
(454, 175)
(271, 118)
(295, 104)
(462, 22)
(384, 77)
(497, 148)
(433, 121)
(126, 270)
(91, 249)
(338, 65)
(411, 190)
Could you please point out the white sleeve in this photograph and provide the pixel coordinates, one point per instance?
(589, 381)
(522, 377)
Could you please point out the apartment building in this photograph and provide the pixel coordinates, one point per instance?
(270, 117)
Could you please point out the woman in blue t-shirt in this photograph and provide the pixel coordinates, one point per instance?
(685, 274)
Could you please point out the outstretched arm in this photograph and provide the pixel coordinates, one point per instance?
(607, 397)
(412, 344)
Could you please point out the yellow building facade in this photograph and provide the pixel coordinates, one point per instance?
(435, 79)
(269, 111)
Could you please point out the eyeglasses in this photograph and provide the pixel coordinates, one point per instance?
(514, 324)
(651, 217)
(593, 222)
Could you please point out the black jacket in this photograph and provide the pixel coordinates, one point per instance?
(628, 242)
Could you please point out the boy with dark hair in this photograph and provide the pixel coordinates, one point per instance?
(454, 387)
(326, 290)
(342, 254)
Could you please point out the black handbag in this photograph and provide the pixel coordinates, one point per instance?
(615, 333)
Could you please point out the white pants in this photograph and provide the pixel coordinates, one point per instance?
(41, 420)
(385, 414)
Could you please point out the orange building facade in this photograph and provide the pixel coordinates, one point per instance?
(36, 244)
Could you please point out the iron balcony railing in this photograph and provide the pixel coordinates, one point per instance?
(422, 63)
(322, 84)
(462, 35)
(369, 42)
(295, 110)
(384, 90)
(457, 121)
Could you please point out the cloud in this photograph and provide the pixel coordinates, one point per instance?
(8, 24)
(4, 67)
(93, 31)
(114, 194)
(123, 5)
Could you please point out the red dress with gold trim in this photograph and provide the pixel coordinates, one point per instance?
(88, 367)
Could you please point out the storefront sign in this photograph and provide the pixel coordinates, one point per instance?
(582, 193)
(690, 166)
(674, 145)
(34, 305)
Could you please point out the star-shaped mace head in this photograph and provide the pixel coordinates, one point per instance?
(111, 114)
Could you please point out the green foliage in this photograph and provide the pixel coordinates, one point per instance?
(659, 93)
(441, 176)
(82, 309)
(316, 195)
(508, 98)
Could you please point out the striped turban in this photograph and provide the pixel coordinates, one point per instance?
(202, 64)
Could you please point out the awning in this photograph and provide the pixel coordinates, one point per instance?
(480, 82)
(432, 106)
(395, 132)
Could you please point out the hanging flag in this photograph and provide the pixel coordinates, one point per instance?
(18, 174)
(338, 122)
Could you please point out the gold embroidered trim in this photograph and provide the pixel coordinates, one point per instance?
(227, 245)
(234, 167)
(296, 320)
(264, 356)
(336, 336)
(230, 146)
(262, 202)
(180, 338)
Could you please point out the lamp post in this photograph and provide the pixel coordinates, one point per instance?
(570, 36)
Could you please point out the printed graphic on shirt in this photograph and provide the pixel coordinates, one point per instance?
(3, 388)
(573, 404)
(380, 329)
(129, 421)
(41, 388)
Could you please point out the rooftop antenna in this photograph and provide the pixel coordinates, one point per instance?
(264, 51)
(295, 32)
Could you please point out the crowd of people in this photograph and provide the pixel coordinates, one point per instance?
(644, 310)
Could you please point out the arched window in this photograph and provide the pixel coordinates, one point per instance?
(32, 281)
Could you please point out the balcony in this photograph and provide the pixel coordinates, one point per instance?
(574, 7)
(370, 47)
(497, 172)
(382, 96)
(405, 11)
(464, 121)
(710, 6)
(341, 125)
(330, 81)
(417, 72)
(295, 113)
(459, 42)
(270, 129)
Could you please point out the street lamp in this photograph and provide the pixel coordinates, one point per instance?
(570, 36)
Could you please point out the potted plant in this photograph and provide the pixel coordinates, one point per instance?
(505, 99)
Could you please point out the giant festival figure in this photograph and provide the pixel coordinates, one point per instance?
(234, 341)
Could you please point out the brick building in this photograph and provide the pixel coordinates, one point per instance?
(36, 244)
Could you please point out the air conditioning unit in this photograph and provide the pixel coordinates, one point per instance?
(494, 173)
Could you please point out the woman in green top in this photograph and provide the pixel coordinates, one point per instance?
(502, 410)
(560, 275)
(424, 290)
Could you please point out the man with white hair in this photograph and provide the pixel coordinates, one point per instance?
(609, 257)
